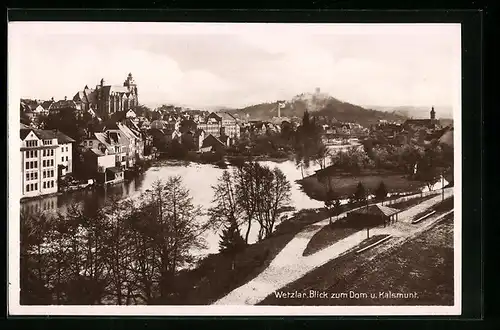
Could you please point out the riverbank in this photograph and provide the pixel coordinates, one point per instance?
(218, 158)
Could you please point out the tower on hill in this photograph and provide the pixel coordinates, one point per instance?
(433, 114)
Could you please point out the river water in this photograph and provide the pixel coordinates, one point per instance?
(198, 178)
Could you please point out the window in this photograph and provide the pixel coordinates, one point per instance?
(67, 149)
(44, 163)
(47, 142)
(27, 165)
(31, 143)
(27, 187)
(44, 174)
(52, 152)
(44, 184)
(52, 161)
(36, 163)
(44, 153)
(27, 154)
(27, 176)
(31, 186)
(62, 159)
(52, 173)
(36, 175)
(36, 153)
(36, 186)
(66, 158)
(90, 143)
(32, 165)
(32, 176)
(52, 184)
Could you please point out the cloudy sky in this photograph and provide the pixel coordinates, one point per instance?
(234, 65)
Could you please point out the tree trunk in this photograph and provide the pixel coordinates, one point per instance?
(248, 230)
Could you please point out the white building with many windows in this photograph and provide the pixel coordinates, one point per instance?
(45, 156)
(38, 162)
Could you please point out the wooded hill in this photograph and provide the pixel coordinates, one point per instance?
(318, 105)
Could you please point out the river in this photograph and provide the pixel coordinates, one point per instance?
(198, 178)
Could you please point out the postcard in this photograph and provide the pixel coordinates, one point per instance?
(234, 168)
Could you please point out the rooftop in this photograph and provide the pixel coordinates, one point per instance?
(378, 210)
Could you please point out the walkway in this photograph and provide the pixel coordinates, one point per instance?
(289, 265)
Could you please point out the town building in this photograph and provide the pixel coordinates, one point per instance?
(212, 144)
(105, 156)
(64, 153)
(108, 99)
(64, 105)
(219, 124)
(39, 163)
(430, 123)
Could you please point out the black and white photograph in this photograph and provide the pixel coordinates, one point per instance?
(234, 168)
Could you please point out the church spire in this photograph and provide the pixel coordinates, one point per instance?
(433, 113)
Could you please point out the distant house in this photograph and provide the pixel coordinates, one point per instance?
(114, 175)
(97, 161)
(187, 125)
(211, 143)
(33, 108)
(130, 114)
(221, 123)
(64, 105)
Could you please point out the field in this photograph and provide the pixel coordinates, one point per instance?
(421, 268)
(345, 185)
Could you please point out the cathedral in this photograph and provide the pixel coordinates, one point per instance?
(105, 100)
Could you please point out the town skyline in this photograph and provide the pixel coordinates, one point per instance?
(233, 65)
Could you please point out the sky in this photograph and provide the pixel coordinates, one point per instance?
(204, 65)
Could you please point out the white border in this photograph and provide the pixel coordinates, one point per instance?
(14, 308)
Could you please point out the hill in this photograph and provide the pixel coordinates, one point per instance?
(318, 104)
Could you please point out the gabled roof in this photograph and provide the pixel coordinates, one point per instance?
(63, 138)
(118, 137)
(63, 104)
(377, 210)
(103, 138)
(210, 139)
(24, 132)
(226, 116)
(114, 169)
(46, 104)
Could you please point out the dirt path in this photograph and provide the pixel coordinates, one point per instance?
(289, 265)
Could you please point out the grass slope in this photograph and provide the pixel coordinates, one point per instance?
(422, 265)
